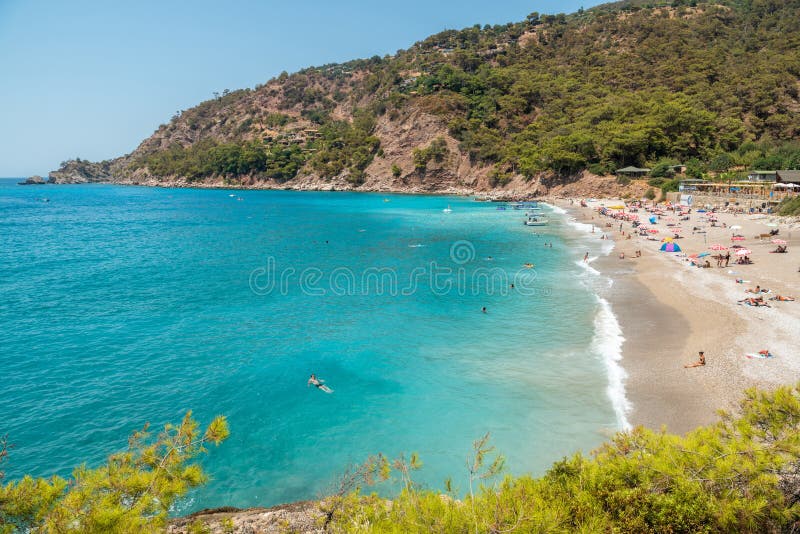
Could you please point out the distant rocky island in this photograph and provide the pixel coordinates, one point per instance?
(33, 180)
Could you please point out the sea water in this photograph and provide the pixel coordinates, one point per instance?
(121, 305)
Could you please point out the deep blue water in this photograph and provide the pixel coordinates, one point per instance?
(121, 305)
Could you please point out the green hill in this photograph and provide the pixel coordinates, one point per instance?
(713, 84)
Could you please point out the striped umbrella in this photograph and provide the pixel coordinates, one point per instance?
(743, 252)
(737, 238)
(718, 247)
(779, 241)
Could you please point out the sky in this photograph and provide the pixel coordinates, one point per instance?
(93, 78)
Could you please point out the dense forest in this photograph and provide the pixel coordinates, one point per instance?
(713, 85)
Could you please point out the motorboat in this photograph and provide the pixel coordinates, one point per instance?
(535, 220)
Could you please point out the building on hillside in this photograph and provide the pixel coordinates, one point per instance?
(788, 177)
(632, 172)
(680, 168)
(761, 176)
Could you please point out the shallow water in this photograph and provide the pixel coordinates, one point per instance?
(122, 305)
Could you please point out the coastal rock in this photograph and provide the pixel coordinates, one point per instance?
(33, 180)
(81, 171)
(300, 517)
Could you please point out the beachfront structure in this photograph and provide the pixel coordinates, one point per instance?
(744, 194)
(690, 185)
(632, 172)
(762, 176)
(787, 177)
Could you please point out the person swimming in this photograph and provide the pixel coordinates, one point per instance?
(319, 384)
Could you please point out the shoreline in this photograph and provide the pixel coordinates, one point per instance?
(669, 311)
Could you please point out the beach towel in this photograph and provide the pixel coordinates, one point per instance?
(759, 356)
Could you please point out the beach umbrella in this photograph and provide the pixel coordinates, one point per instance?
(718, 247)
(670, 247)
(702, 254)
(743, 252)
(653, 220)
(737, 238)
(652, 230)
(779, 241)
(735, 227)
(667, 240)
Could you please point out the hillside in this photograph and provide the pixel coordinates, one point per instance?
(534, 106)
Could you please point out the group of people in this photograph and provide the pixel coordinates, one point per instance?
(722, 261)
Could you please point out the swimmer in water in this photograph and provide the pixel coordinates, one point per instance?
(319, 384)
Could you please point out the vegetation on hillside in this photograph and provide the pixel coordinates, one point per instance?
(741, 474)
(790, 207)
(133, 492)
(629, 83)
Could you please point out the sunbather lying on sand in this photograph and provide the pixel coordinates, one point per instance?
(754, 302)
(758, 290)
(699, 363)
(781, 298)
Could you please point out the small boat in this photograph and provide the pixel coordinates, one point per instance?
(447, 209)
(536, 221)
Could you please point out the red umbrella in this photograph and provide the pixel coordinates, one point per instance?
(743, 252)
(737, 238)
(653, 231)
(718, 247)
(779, 241)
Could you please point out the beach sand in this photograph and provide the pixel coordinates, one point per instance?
(669, 311)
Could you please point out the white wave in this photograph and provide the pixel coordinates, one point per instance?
(417, 245)
(586, 265)
(607, 343)
(557, 209)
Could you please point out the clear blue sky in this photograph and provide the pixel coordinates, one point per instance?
(92, 78)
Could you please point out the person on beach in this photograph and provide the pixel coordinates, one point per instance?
(586, 257)
(699, 363)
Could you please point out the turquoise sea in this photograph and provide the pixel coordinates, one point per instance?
(121, 305)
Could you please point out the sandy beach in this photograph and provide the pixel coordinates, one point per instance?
(670, 310)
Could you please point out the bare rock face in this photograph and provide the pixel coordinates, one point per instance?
(33, 180)
(299, 517)
(80, 171)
